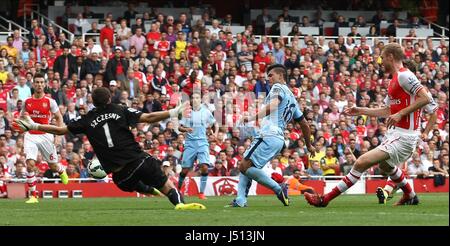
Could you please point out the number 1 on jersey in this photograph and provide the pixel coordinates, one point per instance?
(108, 135)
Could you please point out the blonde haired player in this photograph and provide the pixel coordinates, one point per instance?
(406, 97)
(387, 193)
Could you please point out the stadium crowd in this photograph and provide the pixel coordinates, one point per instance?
(150, 70)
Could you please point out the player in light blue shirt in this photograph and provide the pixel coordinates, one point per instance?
(196, 146)
(280, 108)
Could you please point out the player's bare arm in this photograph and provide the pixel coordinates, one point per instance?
(26, 124)
(307, 136)
(159, 116)
(377, 112)
(422, 99)
(430, 124)
(58, 118)
(182, 128)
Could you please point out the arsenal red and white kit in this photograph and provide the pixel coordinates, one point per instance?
(40, 111)
(402, 139)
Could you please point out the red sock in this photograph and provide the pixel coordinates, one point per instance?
(2, 187)
(348, 181)
(31, 181)
(335, 192)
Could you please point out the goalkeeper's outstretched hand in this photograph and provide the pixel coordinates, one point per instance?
(25, 123)
(175, 112)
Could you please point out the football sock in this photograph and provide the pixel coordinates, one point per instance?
(175, 197)
(243, 188)
(399, 178)
(31, 181)
(181, 179)
(348, 181)
(2, 187)
(261, 177)
(390, 185)
(203, 180)
(143, 188)
(249, 185)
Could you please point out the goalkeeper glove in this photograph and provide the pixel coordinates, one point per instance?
(178, 110)
(25, 123)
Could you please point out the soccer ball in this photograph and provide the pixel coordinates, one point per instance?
(95, 169)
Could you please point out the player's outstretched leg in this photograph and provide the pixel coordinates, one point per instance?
(203, 180)
(363, 163)
(261, 177)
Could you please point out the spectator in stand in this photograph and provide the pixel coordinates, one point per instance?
(354, 32)
(295, 185)
(340, 22)
(94, 28)
(130, 13)
(116, 67)
(218, 170)
(360, 21)
(329, 163)
(278, 53)
(261, 21)
(314, 170)
(416, 167)
(275, 28)
(131, 85)
(72, 172)
(378, 17)
(9, 46)
(107, 33)
(273, 167)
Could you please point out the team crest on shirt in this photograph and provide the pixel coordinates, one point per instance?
(44, 104)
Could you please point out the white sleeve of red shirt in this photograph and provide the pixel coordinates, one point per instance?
(409, 82)
(387, 101)
(53, 106)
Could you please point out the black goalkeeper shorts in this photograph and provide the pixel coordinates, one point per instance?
(140, 175)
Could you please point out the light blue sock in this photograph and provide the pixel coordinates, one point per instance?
(243, 189)
(203, 180)
(261, 177)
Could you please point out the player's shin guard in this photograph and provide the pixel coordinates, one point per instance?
(203, 180)
(348, 181)
(175, 197)
(261, 177)
(31, 182)
(181, 179)
(399, 178)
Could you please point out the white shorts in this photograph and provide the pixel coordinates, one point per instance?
(42, 143)
(400, 145)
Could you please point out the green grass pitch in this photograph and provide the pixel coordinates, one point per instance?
(262, 210)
